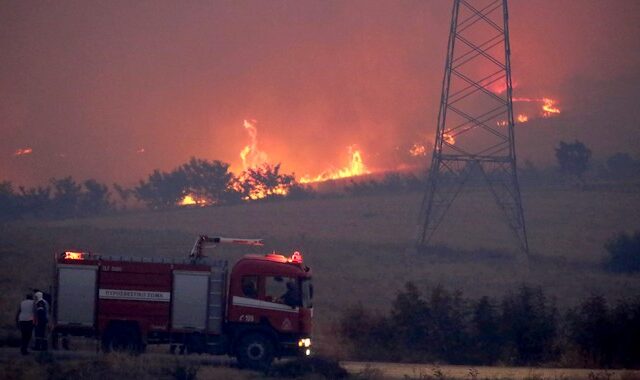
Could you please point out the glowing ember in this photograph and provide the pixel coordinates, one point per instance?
(193, 200)
(522, 118)
(418, 150)
(23, 152)
(502, 123)
(251, 156)
(356, 167)
(448, 138)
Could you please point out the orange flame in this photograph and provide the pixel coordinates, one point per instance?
(23, 151)
(255, 159)
(251, 156)
(522, 118)
(549, 107)
(418, 150)
(356, 167)
(193, 200)
(449, 138)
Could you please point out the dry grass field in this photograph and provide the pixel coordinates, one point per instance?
(358, 246)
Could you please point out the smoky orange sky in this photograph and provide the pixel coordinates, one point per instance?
(87, 84)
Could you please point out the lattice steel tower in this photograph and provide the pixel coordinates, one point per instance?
(475, 132)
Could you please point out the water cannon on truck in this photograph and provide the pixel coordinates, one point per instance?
(259, 310)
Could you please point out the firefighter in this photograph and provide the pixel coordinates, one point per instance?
(292, 295)
(24, 320)
(42, 321)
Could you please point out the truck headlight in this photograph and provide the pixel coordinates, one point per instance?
(305, 342)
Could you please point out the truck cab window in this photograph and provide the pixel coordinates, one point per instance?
(250, 286)
(307, 293)
(284, 290)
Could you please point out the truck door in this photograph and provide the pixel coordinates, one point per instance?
(190, 299)
(76, 295)
(283, 302)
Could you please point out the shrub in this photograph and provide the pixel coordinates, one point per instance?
(624, 253)
(529, 321)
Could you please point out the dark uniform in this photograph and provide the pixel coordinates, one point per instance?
(42, 321)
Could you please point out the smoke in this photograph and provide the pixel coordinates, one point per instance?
(112, 90)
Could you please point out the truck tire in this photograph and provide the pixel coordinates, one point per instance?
(122, 339)
(255, 351)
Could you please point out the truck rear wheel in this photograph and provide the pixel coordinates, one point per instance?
(122, 339)
(255, 351)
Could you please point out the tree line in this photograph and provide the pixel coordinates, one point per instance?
(525, 327)
(212, 183)
(208, 182)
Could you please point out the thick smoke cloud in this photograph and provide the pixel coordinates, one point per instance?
(90, 85)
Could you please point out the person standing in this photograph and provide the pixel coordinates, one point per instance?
(42, 321)
(24, 320)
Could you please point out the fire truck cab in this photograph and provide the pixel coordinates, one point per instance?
(259, 311)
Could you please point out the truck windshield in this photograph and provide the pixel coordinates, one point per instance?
(307, 293)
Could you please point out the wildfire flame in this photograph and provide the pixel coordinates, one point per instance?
(522, 118)
(418, 150)
(448, 138)
(251, 156)
(257, 160)
(193, 200)
(549, 107)
(356, 167)
(23, 151)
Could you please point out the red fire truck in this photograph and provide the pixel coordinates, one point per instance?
(260, 311)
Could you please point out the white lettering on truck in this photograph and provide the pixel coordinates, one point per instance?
(134, 295)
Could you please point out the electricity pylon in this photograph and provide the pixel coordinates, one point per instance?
(475, 131)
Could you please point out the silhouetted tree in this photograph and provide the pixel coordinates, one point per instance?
(9, 202)
(622, 166)
(208, 179)
(530, 326)
(95, 199)
(485, 333)
(162, 190)
(36, 201)
(409, 314)
(573, 159)
(591, 330)
(66, 197)
(626, 330)
(264, 182)
(124, 194)
(624, 253)
(369, 334)
(446, 326)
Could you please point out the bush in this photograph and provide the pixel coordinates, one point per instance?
(447, 327)
(529, 321)
(624, 253)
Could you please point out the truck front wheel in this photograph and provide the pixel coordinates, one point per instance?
(255, 351)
